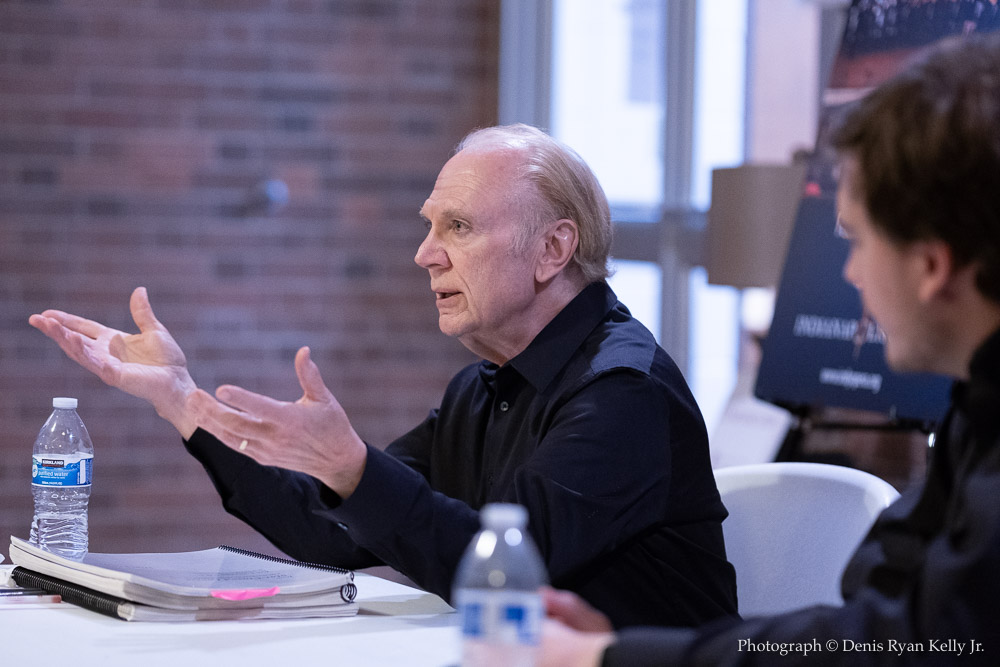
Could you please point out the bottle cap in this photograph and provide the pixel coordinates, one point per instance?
(500, 515)
(63, 402)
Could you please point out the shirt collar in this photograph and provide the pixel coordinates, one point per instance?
(980, 394)
(986, 359)
(552, 348)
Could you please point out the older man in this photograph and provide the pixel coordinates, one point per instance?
(574, 412)
(919, 203)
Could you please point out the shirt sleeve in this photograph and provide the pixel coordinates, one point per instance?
(863, 632)
(395, 514)
(283, 505)
(814, 636)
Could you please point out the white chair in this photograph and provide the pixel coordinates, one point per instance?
(792, 528)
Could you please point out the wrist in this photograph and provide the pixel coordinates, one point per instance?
(346, 477)
(173, 408)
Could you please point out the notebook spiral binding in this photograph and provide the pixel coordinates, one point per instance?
(288, 561)
(79, 595)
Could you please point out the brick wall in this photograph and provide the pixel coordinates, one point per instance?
(133, 134)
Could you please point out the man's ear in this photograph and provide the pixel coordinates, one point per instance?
(561, 241)
(938, 271)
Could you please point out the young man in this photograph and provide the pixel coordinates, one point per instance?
(574, 412)
(919, 202)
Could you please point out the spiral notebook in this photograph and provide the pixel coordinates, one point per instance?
(211, 584)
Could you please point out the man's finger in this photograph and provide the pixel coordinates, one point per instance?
(50, 319)
(249, 404)
(142, 312)
(54, 330)
(76, 346)
(313, 387)
(218, 418)
(45, 324)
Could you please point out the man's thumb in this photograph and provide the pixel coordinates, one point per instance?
(309, 377)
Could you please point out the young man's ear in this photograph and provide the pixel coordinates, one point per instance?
(938, 271)
(561, 241)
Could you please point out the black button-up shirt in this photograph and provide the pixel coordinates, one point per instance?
(592, 428)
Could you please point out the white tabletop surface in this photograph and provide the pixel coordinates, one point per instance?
(396, 625)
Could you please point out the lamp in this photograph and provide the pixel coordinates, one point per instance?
(750, 222)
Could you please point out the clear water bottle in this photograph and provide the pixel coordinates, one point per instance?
(61, 471)
(496, 591)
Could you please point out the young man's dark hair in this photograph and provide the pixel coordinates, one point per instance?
(928, 147)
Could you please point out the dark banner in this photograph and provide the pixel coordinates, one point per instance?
(819, 352)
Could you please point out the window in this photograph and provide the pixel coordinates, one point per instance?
(610, 80)
(607, 96)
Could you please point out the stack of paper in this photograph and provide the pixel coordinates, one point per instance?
(213, 584)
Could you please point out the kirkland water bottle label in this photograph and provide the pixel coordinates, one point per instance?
(61, 470)
(505, 617)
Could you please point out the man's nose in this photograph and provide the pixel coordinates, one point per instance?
(430, 253)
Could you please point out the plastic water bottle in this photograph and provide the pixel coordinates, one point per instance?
(61, 472)
(496, 592)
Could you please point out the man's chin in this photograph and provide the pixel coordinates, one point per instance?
(449, 327)
(898, 363)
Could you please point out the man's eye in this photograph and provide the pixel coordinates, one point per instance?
(459, 226)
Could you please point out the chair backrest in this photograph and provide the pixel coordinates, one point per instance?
(792, 528)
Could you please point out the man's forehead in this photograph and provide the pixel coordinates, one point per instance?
(845, 171)
(471, 175)
(845, 203)
(848, 173)
(852, 211)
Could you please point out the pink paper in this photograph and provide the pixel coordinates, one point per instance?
(247, 594)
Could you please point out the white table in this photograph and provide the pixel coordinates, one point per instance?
(396, 625)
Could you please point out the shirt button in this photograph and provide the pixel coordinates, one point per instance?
(504, 406)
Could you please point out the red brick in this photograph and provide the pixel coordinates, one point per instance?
(130, 137)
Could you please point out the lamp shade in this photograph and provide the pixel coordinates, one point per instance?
(750, 221)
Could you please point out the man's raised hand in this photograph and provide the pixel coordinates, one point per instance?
(311, 435)
(149, 364)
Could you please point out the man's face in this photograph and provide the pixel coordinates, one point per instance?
(484, 290)
(887, 277)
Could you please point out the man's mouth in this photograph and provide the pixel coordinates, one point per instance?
(444, 295)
